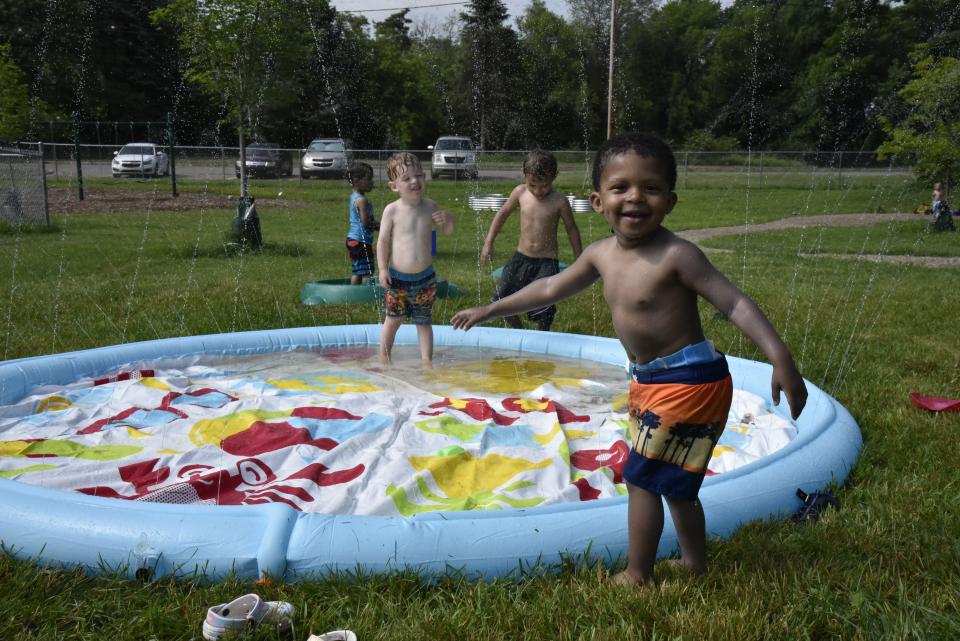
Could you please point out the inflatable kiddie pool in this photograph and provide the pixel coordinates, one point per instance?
(144, 538)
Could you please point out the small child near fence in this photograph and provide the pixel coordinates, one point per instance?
(942, 217)
(363, 223)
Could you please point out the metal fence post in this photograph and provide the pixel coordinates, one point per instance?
(172, 168)
(43, 175)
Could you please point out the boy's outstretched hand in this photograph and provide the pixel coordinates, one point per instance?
(443, 220)
(467, 318)
(786, 377)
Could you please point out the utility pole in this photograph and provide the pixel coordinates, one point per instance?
(613, 12)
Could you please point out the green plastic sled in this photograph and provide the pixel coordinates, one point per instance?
(339, 290)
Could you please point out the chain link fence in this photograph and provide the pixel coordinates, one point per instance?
(23, 187)
(220, 163)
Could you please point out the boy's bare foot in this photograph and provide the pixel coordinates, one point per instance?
(628, 579)
(679, 565)
(385, 360)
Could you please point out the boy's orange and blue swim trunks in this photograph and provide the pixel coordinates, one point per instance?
(679, 413)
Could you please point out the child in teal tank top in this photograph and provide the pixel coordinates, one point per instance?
(362, 223)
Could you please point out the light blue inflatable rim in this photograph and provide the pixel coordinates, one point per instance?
(52, 527)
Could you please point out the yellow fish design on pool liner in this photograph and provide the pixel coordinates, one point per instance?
(506, 376)
(467, 482)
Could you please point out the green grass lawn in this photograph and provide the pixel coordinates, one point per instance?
(885, 566)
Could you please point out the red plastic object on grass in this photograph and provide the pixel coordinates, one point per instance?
(935, 403)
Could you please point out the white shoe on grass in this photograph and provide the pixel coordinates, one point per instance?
(334, 635)
(246, 611)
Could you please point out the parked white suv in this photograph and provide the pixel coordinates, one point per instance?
(454, 156)
(325, 157)
(140, 159)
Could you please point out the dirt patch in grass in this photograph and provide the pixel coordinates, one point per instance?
(833, 220)
(63, 200)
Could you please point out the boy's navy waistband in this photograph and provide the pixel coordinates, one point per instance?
(427, 273)
(697, 374)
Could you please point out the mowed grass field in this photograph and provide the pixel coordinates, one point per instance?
(884, 566)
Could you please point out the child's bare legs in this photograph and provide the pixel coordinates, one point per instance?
(691, 532)
(644, 527)
(389, 332)
(425, 340)
(358, 280)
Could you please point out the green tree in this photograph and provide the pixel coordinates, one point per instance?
(491, 74)
(103, 59)
(591, 23)
(14, 98)
(929, 134)
(407, 107)
(246, 53)
(667, 90)
(549, 100)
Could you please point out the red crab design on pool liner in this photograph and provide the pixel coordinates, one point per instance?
(248, 482)
(265, 436)
(614, 458)
(481, 410)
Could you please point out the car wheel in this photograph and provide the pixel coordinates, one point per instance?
(434, 175)
(156, 170)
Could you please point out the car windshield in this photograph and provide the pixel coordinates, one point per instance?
(136, 150)
(454, 143)
(262, 150)
(326, 145)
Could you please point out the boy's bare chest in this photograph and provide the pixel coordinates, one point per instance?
(538, 212)
(640, 285)
(412, 221)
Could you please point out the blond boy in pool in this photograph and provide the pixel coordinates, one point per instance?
(681, 389)
(404, 256)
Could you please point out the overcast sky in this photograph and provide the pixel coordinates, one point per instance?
(441, 9)
(434, 14)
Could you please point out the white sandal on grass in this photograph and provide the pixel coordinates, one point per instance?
(246, 611)
(334, 635)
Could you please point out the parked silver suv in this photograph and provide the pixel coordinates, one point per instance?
(325, 157)
(453, 156)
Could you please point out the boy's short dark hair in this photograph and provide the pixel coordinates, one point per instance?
(643, 144)
(541, 164)
(359, 171)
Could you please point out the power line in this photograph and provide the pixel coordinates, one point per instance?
(421, 6)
